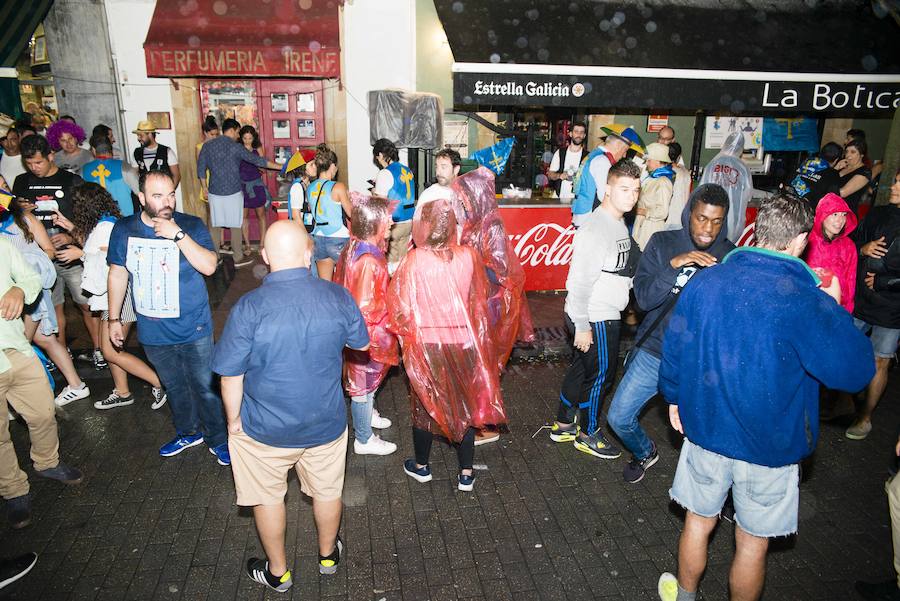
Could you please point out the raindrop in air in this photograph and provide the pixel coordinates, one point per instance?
(220, 7)
(495, 58)
(305, 4)
(522, 42)
(543, 54)
(650, 26)
(315, 46)
(458, 7)
(869, 62)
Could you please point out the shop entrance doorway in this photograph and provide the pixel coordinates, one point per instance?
(288, 114)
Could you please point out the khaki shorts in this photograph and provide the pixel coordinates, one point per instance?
(398, 242)
(260, 471)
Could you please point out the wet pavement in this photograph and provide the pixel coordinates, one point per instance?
(544, 521)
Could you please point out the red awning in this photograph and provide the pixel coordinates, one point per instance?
(244, 38)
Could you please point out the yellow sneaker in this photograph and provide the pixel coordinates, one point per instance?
(667, 587)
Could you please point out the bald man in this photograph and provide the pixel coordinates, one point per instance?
(283, 402)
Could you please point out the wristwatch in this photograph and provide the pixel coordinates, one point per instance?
(179, 236)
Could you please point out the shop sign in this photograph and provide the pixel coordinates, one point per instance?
(482, 90)
(249, 62)
(542, 240)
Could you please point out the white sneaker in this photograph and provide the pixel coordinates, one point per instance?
(374, 446)
(159, 397)
(379, 422)
(70, 394)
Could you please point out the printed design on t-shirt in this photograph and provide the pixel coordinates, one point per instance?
(624, 247)
(154, 267)
(683, 277)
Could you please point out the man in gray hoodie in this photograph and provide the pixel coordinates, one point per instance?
(604, 259)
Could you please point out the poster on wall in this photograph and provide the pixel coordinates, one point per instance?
(306, 128)
(279, 103)
(282, 154)
(306, 103)
(718, 128)
(655, 123)
(281, 129)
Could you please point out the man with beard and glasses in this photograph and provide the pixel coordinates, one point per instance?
(667, 264)
(164, 255)
(566, 160)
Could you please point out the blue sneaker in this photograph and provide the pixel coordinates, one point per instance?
(180, 443)
(466, 483)
(221, 453)
(422, 474)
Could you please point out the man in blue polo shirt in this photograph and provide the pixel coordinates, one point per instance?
(280, 359)
(163, 256)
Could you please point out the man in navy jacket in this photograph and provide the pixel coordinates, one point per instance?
(745, 352)
(669, 261)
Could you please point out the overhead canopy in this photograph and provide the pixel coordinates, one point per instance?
(278, 38)
(19, 19)
(830, 56)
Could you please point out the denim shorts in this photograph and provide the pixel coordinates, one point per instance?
(766, 499)
(328, 248)
(884, 340)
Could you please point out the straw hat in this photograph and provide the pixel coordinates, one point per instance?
(145, 127)
(658, 152)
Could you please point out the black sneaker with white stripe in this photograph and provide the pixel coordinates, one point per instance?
(258, 570)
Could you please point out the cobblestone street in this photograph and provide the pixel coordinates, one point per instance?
(544, 521)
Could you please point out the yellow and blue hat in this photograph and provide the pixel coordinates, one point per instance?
(627, 133)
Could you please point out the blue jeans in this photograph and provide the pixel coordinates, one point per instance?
(184, 370)
(640, 383)
(361, 410)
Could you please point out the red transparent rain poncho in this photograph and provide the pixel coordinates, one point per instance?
(437, 306)
(483, 230)
(362, 269)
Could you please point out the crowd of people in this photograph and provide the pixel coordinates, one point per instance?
(738, 340)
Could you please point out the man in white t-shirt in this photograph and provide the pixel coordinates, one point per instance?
(11, 165)
(566, 160)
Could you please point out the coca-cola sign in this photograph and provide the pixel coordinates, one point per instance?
(542, 240)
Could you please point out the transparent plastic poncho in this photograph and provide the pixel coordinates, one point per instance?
(437, 306)
(362, 269)
(483, 230)
(729, 171)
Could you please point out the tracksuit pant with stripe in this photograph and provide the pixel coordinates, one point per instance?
(590, 377)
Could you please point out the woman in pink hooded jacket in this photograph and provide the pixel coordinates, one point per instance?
(830, 247)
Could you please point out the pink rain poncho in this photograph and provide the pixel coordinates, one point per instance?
(437, 306)
(839, 255)
(362, 269)
(483, 230)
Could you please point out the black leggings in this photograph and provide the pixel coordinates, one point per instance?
(465, 449)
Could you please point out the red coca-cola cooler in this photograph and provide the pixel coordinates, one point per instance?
(541, 235)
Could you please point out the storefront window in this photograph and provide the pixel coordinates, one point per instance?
(233, 98)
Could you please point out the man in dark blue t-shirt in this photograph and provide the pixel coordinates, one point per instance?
(164, 255)
(280, 358)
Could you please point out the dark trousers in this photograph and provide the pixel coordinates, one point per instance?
(590, 377)
(465, 449)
